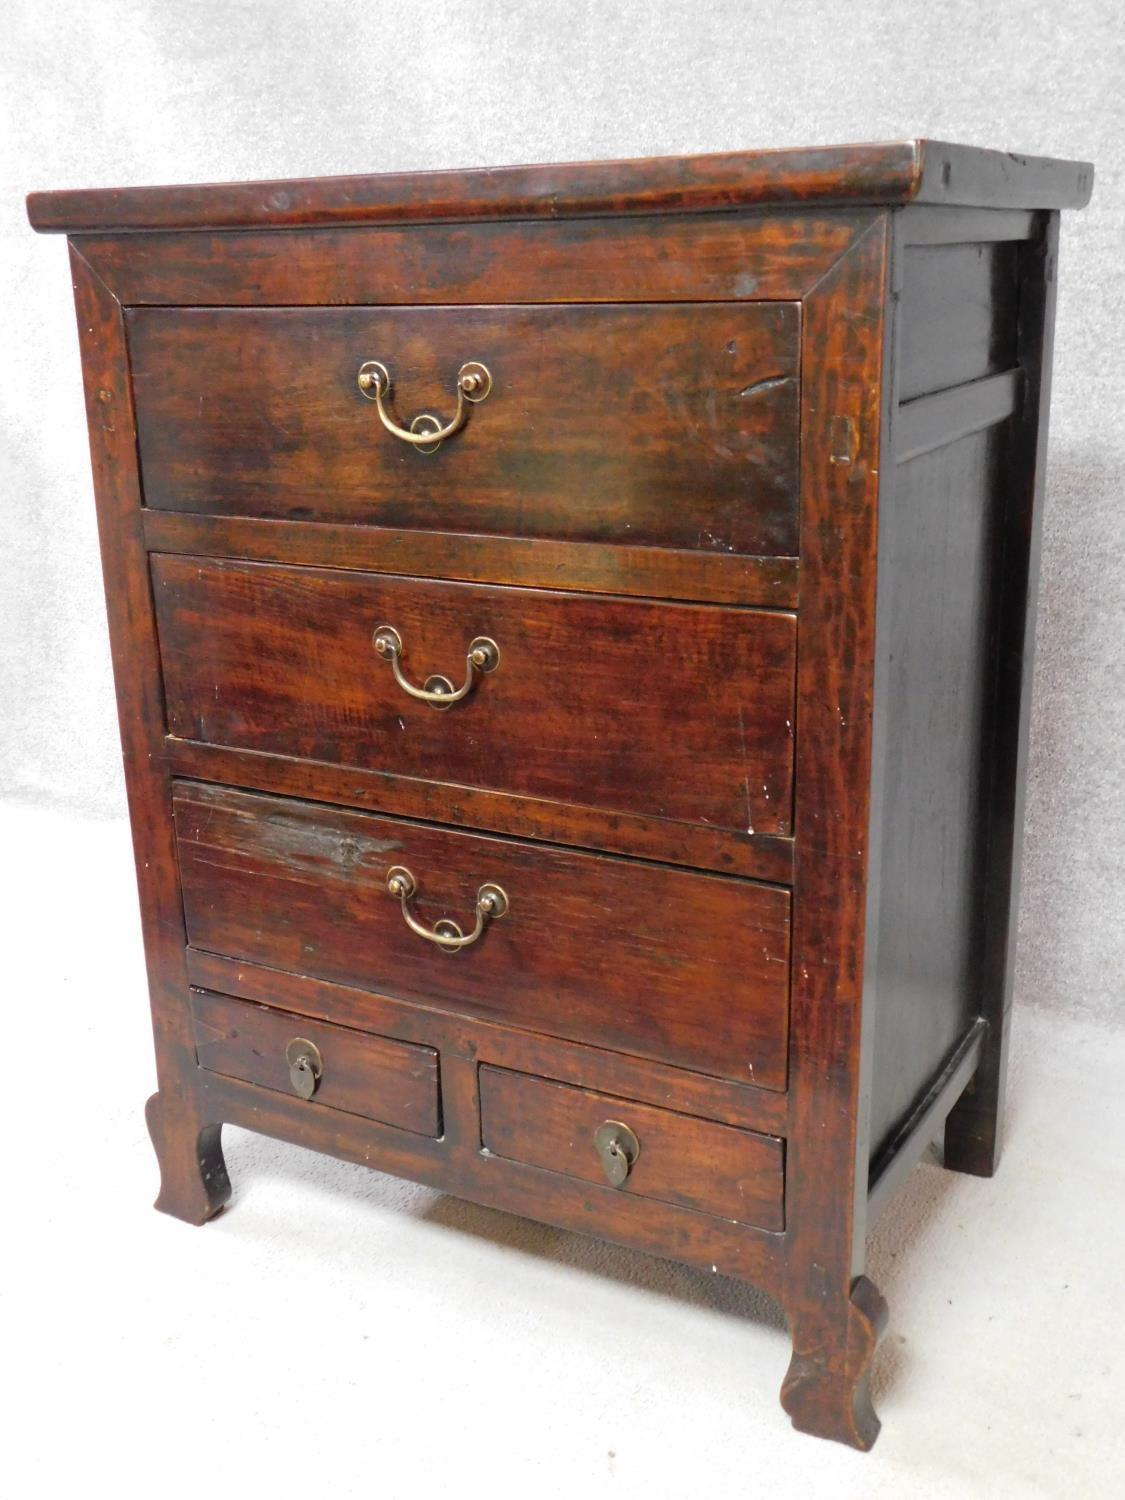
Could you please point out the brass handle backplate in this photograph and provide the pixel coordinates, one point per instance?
(306, 1066)
(483, 656)
(492, 903)
(426, 432)
(618, 1148)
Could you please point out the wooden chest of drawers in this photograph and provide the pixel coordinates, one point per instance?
(572, 636)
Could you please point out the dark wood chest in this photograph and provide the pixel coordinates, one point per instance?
(572, 637)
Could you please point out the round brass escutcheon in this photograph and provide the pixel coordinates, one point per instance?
(618, 1148)
(373, 379)
(443, 687)
(484, 653)
(426, 422)
(492, 900)
(400, 883)
(387, 642)
(305, 1066)
(474, 380)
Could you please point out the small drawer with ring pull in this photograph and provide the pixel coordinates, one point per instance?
(318, 1063)
(634, 1148)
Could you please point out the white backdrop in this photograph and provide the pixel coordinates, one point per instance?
(135, 91)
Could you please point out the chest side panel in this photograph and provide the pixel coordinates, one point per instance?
(961, 383)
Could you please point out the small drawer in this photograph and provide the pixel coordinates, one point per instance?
(586, 701)
(636, 1148)
(672, 965)
(395, 1083)
(664, 425)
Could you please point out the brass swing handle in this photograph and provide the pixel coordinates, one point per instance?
(483, 656)
(426, 432)
(492, 903)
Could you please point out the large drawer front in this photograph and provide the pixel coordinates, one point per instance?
(699, 1164)
(389, 1081)
(673, 965)
(587, 706)
(671, 425)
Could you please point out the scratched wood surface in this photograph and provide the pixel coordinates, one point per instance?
(280, 660)
(670, 426)
(362, 1074)
(667, 964)
(696, 1163)
(587, 567)
(704, 369)
(922, 171)
(836, 1314)
(743, 257)
(462, 1039)
(658, 1228)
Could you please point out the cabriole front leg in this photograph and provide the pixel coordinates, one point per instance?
(194, 1184)
(826, 1390)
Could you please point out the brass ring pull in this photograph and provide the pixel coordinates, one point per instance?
(492, 903)
(618, 1148)
(426, 432)
(483, 656)
(306, 1066)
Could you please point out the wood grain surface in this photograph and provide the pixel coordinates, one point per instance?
(906, 171)
(696, 1163)
(363, 1074)
(666, 964)
(281, 660)
(646, 424)
(681, 490)
(731, 257)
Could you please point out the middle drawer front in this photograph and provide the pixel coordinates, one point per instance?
(672, 965)
(675, 711)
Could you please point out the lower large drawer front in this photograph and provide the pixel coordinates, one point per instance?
(393, 1082)
(699, 1164)
(682, 967)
